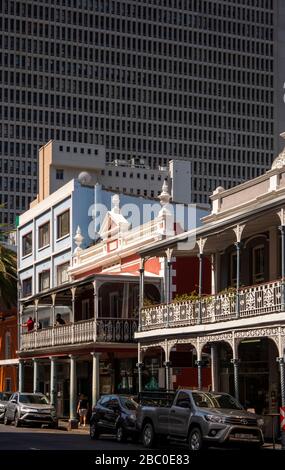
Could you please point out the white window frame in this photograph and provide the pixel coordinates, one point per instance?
(45, 245)
(29, 253)
(60, 236)
(58, 273)
(41, 289)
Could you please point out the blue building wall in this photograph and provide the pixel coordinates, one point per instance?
(85, 204)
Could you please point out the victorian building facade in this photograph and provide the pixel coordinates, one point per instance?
(239, 329)
(92, 349)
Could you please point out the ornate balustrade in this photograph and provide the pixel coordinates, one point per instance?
(102, 330)
(262, 299)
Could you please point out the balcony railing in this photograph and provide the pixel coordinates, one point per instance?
(110, 330)
(262, 299)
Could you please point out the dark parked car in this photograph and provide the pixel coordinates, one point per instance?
(30, 408)
(115, 415)
(4, 397)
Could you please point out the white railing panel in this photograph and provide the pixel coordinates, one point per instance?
(107, 330)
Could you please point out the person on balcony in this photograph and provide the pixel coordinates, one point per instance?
(29, 324)
(39, 325)
(59, 320)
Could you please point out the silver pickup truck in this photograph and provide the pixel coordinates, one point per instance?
(197, 418)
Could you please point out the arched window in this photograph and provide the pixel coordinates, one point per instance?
(7, 345)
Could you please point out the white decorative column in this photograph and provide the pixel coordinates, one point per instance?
(96, 306)
(281, 215)
(73, 423)
(215, 367)
(140, 366)
(53, 380)
(95, 377)
(72, 319)
(238, 232)
(214, 288)
(201, 244)
(168, 282)
(35, 375)
(236, 363)
(141, 291)
(199, 364)
(21, 375)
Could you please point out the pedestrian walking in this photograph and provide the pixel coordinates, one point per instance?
(82, 409)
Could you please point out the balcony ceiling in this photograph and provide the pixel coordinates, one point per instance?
(218, 237)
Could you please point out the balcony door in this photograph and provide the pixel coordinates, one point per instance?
(114, 304)
(85, 309)
(258, 265)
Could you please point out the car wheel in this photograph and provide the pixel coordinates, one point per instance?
(16, 420)
(6, 420)
(120, 435)
(195, 439)
(94, 434)
(148, 436)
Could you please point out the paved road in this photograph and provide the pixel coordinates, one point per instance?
(25, 438)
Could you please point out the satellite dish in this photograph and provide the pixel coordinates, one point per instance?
(84, 177)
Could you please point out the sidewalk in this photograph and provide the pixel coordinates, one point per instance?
(63, 424)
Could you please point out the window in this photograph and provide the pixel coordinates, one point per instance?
(183, 400)
(44, 235)
(44, 280)
(62, 273)
(27, 287)
(258, 264)
(59, 174)
(27, 244)
(8, 351)
(63, 224)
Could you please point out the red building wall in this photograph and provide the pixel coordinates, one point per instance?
(187, 275)
(8, 323)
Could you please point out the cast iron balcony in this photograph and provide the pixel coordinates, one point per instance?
(262, 299)
(102, 330)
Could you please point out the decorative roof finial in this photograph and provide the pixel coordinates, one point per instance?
(116, 204)
(78, 240)
(164, 196)
(279, 161)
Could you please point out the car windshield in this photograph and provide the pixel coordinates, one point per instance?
(4, 396)
(34, 399)
(215, 400)
(128, 403)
